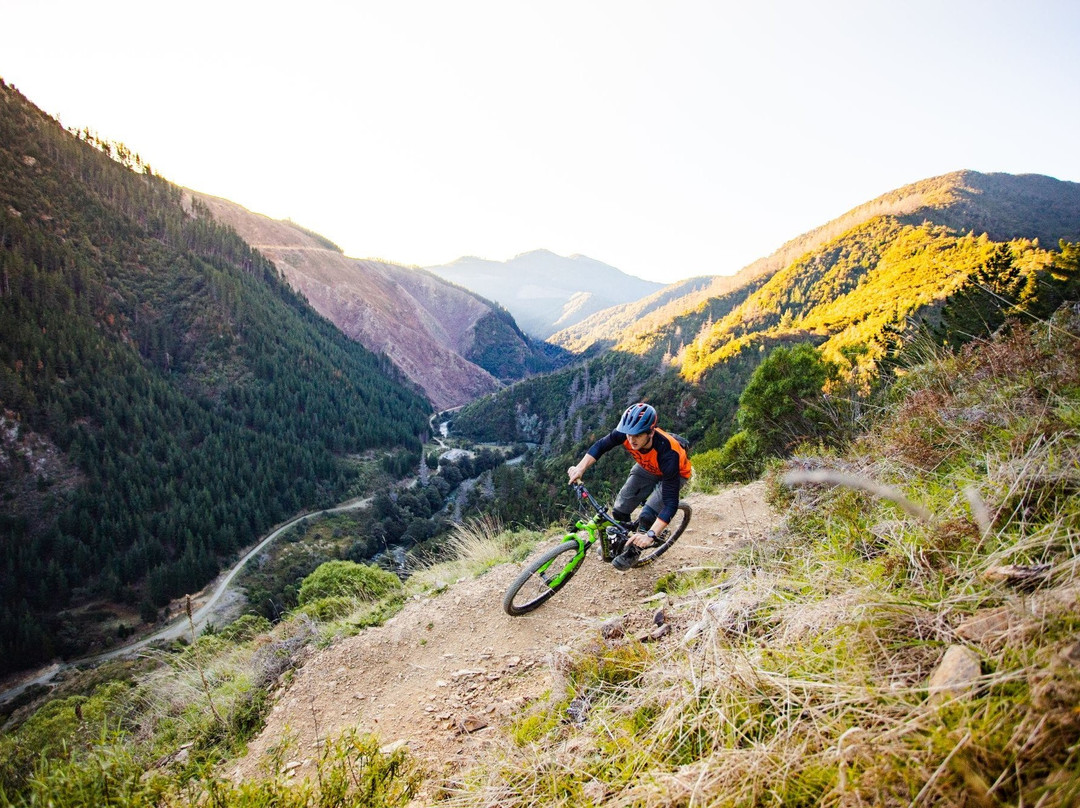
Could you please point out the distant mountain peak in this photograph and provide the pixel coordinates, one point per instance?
(545, 291)
(541, 252)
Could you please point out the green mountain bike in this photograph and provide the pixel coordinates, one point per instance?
(551, 570)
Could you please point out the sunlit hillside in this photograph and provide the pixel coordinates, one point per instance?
(852, 293)
(945, 259)
(851, 279)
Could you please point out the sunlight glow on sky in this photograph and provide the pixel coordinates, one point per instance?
(668, 139)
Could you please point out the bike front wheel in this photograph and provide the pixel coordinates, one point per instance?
(670, 535)
(545, 575)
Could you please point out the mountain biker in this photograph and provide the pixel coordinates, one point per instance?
(656, 479)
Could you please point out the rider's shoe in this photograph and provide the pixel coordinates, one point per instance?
(627, 558)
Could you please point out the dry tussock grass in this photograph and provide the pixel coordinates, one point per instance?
(474, 545)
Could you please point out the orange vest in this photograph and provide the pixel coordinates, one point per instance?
(649, 461)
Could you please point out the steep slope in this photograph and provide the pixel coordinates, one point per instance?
(454, 345)
(775, 641)
(547, 292)
(630, 323)
(165, 395)
(1003, 206)
(847, 631)
(856, 291)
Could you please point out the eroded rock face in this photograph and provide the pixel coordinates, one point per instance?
(424, 325)
(30, 461)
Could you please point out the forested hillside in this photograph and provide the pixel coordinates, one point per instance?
(918, 230)
(561, 414)
(851, 296)
(165, 395)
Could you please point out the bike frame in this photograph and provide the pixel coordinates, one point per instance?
(588, 532)
(546, 575)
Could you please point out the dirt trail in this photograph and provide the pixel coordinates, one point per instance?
(448, 668)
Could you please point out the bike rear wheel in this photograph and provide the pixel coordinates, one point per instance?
(545, 575)
(670, 535)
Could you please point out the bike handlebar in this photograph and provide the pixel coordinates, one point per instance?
(583, 493)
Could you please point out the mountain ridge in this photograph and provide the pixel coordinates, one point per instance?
(433, 331)
(1005, 206)
(859, 288)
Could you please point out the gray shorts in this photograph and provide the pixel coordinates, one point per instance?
(642, 488)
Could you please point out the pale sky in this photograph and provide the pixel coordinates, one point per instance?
(666, 138)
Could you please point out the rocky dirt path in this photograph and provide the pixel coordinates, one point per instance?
(448, 669)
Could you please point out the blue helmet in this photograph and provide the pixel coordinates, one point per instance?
(638, 418)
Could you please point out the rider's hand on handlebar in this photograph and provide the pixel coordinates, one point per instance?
(575, 472)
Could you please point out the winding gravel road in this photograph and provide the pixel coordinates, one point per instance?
(178, 626)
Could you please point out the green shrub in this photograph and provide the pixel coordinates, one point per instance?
(106, 775)
(741, 457)
(347, 579)
(708, 473)
(535, 726)
(326, 609)
(351, 771)
(780, 405)
(244, 628)
(738, 460)
(681, 583)
(611, 665)
(58, 734)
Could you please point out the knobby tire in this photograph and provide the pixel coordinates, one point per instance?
(671, 534)
(531, 589)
